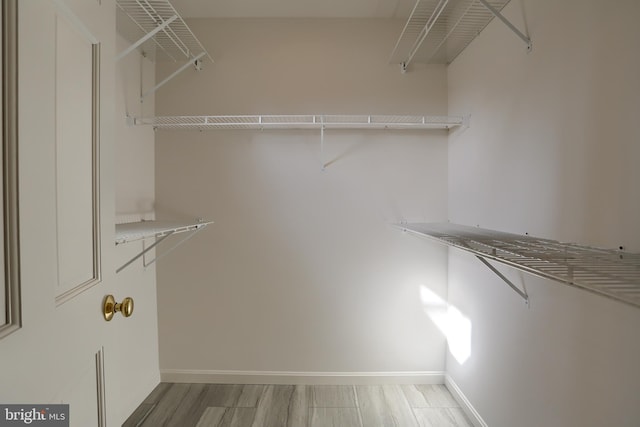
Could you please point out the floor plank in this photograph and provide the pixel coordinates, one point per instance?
(166, 405)
(157, 393)
(234, 405)
(139, 415)
(273, 408)
(384, 406)
(212, 417)
(332, 396)
(334, 417)
(223, 395)
(298, 415)
(239, 417)
(250, 396)
(441, 417)
(193, 404)
(429, 396)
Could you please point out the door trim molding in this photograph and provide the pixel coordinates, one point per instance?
(13, 318)
(95, 136)
(101, 389)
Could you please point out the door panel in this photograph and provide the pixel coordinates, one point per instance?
(52, 358)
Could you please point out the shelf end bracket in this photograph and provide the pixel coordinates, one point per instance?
(508, 23)
(193, 61)
(519, 291)
(175, 245)
(132, 260)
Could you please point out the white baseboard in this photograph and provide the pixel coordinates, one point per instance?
(310, 378)
(466, 406)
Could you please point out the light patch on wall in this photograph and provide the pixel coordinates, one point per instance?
(454, 325)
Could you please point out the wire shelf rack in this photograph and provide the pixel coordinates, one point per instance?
(133, 231)
(301, 122)
(158, 230)
(438, 30)
(169, 34)
(611, 273)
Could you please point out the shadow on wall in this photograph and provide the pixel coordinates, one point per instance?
(454, 325)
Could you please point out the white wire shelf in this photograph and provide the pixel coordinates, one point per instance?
(158, 29)
(158, 230)
(437, 31)
(611, 273)
(166, 30)
(131, 232)
(261, 122)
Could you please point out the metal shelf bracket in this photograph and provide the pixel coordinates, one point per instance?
(195, 62)
(144, 251)
(174, 246)
(520, 292)
(159, 230)
(508, 23)
(324, 166)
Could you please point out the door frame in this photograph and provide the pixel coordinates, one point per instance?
(13, 318)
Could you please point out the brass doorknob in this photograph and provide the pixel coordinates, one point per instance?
(111, 307)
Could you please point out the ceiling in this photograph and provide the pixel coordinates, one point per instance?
(294, 8)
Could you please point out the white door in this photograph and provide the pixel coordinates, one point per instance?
(65, 215)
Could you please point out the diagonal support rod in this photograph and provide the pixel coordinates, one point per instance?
(506, 22)
(322, 143)
(192, 61)
(175, 245)
(520, 292)
(144, 252)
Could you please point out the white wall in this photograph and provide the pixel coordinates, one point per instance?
(552, 150)
(301, 271)
(134, 200)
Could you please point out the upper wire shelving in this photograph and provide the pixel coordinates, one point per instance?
(438, 30)
(611, 273)
(156, 23)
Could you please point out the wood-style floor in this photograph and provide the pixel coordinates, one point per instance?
(224, 405)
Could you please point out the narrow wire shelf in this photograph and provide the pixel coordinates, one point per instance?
(131, 232)
(261, 122)
(171, 36)
(438, 30)
(611, 273)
